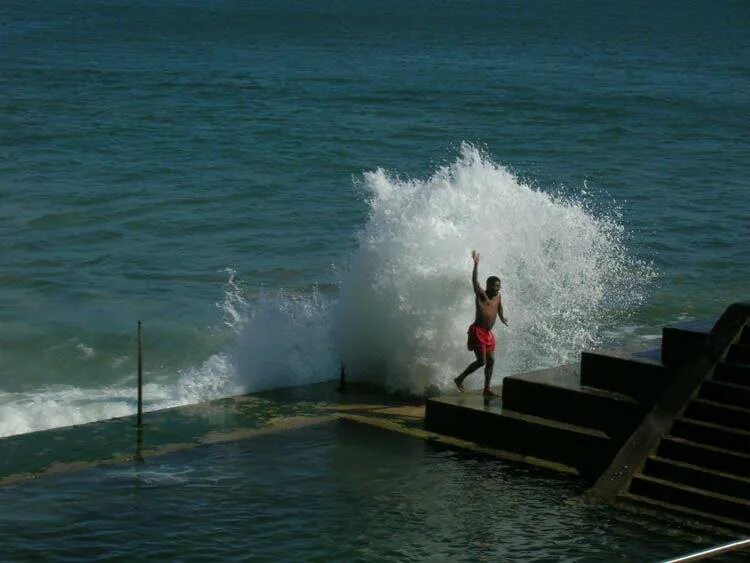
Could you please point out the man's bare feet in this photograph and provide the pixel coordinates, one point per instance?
(489, 393)
(459, 384)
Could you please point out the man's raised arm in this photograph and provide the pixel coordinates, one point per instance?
(475, 276)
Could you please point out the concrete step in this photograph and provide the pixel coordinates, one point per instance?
(643, 380)
(464, 416)
(696, 476)
(690, 497)
(659, 507)
(739, 353)
(718, 413)
(729, 372)
(712, 435)
(679, 340)
(702, 455)
(613, 413)
(556, 441)
(726, 393)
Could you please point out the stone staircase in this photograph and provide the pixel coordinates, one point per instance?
(582, 416)
(577, 416)
(701, 468)
(666, 427)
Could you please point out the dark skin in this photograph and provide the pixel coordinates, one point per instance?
(489, 306)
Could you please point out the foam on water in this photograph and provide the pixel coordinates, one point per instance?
(282, 339)
(65, 405)
(405, 299)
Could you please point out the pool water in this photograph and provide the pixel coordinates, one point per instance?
(334, 491)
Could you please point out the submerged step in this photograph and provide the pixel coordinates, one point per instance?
(702, 455)
(661, 506)
(690, 497)
(696, 476)
(719, 413)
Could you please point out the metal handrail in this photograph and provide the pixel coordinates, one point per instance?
(711, 552)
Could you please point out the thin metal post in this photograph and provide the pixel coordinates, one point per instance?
(140, 374)
(139, 444)
(342, 378)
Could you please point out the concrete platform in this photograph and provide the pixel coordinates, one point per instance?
(471, 417)
(577, 415)
(664, 425)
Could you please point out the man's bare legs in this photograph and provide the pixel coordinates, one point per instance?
(489, 364)
(472, 367)
(486, 359)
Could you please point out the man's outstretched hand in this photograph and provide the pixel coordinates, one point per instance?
(475, 256)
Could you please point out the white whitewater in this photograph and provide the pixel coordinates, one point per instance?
(406, 298)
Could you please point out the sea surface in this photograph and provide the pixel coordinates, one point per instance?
(276, 187)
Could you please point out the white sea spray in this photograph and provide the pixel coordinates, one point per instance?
(406, 299)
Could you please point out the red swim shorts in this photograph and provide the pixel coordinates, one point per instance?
(480, 340)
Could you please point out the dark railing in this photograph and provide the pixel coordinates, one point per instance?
(714, 551)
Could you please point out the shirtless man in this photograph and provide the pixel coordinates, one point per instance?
(489, 306)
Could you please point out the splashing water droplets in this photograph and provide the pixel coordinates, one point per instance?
(406, 300)
(234, 303)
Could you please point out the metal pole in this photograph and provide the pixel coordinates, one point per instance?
(342, 378)
(139, 444)
(140, 374)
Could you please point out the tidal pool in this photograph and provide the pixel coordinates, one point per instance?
(333, 491)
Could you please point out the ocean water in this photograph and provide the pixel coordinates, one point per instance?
(275, 187)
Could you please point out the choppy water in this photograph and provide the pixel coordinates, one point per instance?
(150, 149)
(337, 492)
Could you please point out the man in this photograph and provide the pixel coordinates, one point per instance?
(489, 306)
